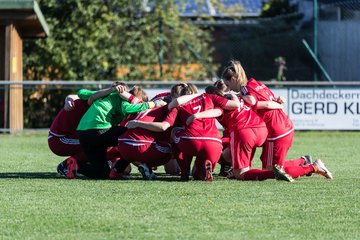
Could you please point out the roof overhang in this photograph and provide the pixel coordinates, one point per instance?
(26, 16)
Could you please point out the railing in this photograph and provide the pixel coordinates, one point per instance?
(311, 105)
(165, 84)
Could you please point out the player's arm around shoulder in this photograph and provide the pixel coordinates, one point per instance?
(182, 100)
(152, 126)
(210, 113)
(104, 92)
(232, 103)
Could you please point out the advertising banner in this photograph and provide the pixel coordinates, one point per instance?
(324, 109)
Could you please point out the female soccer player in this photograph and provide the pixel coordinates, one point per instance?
(280, 127)
(63, 139)
(98, 128)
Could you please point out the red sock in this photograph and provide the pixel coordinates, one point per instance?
(298, 171)
(295, 162)
(258, 174)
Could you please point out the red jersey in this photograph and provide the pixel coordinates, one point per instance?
(150, 115)
(199, 127)
(243, 117)
(66, 122)
(277, 122)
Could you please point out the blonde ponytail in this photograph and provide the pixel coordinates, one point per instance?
(240, 75)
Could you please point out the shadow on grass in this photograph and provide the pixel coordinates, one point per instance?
(27, 175)
(161, 177)
(53, 175)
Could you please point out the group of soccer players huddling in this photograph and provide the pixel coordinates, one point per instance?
(102, 133)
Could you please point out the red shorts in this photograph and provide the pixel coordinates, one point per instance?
(64, 146)
(152, 153)
(274, 151)
(202, 148)
(243, 144)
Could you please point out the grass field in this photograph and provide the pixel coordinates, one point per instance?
(36, 203)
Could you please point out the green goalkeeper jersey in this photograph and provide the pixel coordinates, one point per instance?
(106, 112)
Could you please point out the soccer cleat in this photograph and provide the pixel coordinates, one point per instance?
(72, 169)
(319, 168)
(208, 171)
(308, 161)
(225, 169)
(231, 175)
(146, 173)
(68, 168)
(280, 174)
(61, 169)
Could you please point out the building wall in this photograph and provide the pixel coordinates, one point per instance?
(339, 49)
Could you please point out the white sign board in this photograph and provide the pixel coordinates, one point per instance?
(324, 109)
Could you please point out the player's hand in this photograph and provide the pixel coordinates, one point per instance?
(69, 104)
(281, 100)
(119, 88)
(159, 103)
(131, 124)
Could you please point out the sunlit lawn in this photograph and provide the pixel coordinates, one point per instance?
(36, 203)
